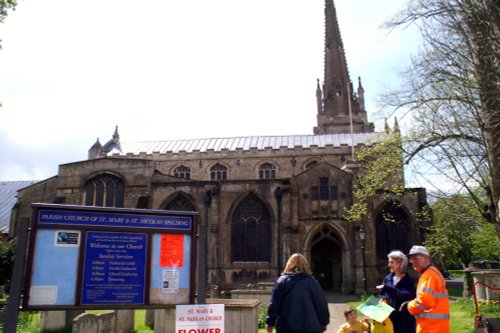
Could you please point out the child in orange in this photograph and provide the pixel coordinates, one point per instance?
(353, 324)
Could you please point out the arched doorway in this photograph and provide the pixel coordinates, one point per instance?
(326, 259)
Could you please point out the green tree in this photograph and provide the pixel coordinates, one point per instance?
(381, 173)
(7, 258)
(452, 95)
(459, 233)
(5, 5)
(485, 243)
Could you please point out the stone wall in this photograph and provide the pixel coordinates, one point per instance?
(120, 321)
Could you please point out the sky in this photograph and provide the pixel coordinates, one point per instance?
(72, 70)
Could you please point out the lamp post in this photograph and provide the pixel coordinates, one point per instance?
(362, 235)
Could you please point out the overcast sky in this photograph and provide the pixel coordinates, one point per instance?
(71, 70)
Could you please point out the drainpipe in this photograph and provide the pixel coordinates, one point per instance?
(202, 268)
(278, 194)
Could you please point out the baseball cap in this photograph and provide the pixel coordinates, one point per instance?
(417, 249)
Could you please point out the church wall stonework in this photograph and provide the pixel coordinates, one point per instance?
(299, 218)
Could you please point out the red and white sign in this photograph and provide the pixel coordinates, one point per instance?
(199, 318)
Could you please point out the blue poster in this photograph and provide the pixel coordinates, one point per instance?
(114, 271)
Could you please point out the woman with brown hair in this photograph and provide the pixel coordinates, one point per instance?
(298, 303)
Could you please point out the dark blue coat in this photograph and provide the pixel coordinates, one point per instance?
(395, 295)
(298, 303)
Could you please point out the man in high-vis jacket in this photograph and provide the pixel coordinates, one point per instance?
(431, 307)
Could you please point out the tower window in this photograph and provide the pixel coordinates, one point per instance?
(338, 89)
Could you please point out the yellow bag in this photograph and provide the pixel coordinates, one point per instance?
(383, 327)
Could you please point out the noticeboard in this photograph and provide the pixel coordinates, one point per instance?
(93, 257)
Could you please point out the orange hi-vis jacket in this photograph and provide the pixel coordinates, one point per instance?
(431, 307)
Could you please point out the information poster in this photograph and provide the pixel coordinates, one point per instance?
(171, 250)
(114, 268)
(199, 318)
(55, 274)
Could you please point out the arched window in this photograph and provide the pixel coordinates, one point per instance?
(218, 172)
(104, 191)
(181, 203)
(324, 189)
(267, 171)
(251, 231)
(183, 172)
(325, 199)
(311, 165)
(393, 230)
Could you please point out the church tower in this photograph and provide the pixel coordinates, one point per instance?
(340, 109)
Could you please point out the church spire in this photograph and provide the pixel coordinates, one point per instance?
(340, 104)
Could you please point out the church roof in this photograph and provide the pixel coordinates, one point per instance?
(244, 143)
(8, 192)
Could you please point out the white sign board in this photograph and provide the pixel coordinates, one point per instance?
(199, 318)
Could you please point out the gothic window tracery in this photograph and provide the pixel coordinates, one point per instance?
(267, 171)
(325, 199)
(218, 172)
(183, 172)
(104, 190)
(393, 229)
(251, 231)
(180, 203)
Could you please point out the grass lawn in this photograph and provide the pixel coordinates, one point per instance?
(462, 313)
(29, 322)
(462, 317)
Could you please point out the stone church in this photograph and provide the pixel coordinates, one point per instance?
(260, 199)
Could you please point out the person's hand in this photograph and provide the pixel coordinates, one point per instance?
(269, 328)
(366, 320)
(379, 287)
(382, 301)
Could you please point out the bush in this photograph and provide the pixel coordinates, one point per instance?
(456, 273)
(7, 258)
(261, 323)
